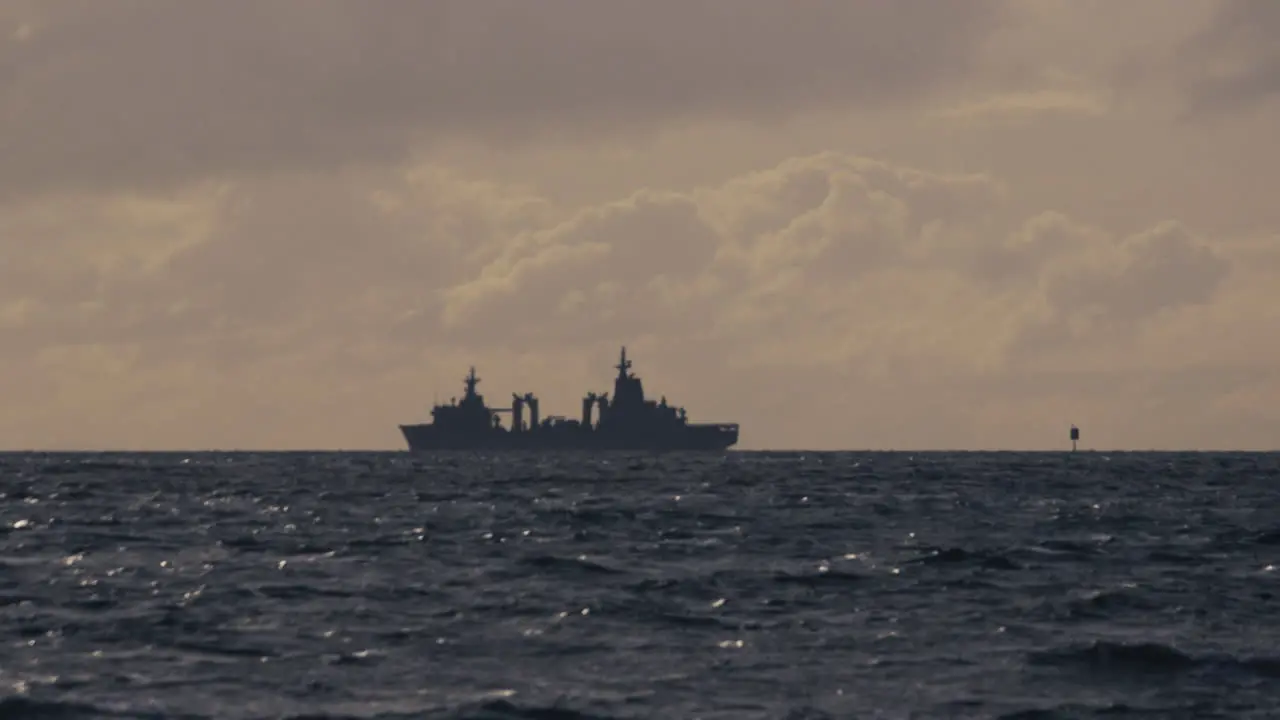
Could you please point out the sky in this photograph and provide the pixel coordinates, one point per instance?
(843, 225)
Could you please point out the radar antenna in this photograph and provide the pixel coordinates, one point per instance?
(623, 363)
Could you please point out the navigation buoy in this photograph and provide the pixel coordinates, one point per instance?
(1075, 437)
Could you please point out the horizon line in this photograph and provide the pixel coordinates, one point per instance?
(399, 451)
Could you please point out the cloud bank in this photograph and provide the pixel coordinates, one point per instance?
(845, 225)
(142, 93)
(875, 280)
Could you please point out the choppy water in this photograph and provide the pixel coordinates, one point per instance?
(748, 586)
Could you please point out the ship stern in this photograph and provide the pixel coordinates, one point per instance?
(713, 436)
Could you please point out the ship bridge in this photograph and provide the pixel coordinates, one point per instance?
(630, 410)
(469, 414)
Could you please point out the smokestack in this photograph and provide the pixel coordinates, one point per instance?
(517, 413)
(533, 411)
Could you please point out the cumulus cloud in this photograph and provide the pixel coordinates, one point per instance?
(731, 258)
(1110, 289)
(333, 306)
(147, 92)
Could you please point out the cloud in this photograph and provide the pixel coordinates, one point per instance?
(729, 259)
(1234, 62)
(319, 309)
(143, 93)
(1110, 290)
(231, 272)
(1021, 106)
(625, 267)
(83, 269)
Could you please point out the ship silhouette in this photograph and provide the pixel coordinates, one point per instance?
(627, 421)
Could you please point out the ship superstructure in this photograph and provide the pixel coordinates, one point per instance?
(625, 421)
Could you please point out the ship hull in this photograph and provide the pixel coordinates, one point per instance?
(689, 438)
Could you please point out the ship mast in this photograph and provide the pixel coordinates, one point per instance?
(623, 363)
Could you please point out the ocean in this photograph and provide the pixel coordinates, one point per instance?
(745, 585)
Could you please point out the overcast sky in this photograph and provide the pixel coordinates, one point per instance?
(860, 224)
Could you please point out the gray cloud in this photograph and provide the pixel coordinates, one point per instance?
(1160, 270)
(1167, 268)
(142, 92)
(1234, 63)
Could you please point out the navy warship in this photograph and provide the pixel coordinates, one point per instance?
(627, 421)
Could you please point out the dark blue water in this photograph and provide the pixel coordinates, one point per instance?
(748, 586)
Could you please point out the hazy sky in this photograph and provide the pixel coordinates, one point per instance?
(843, 224)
